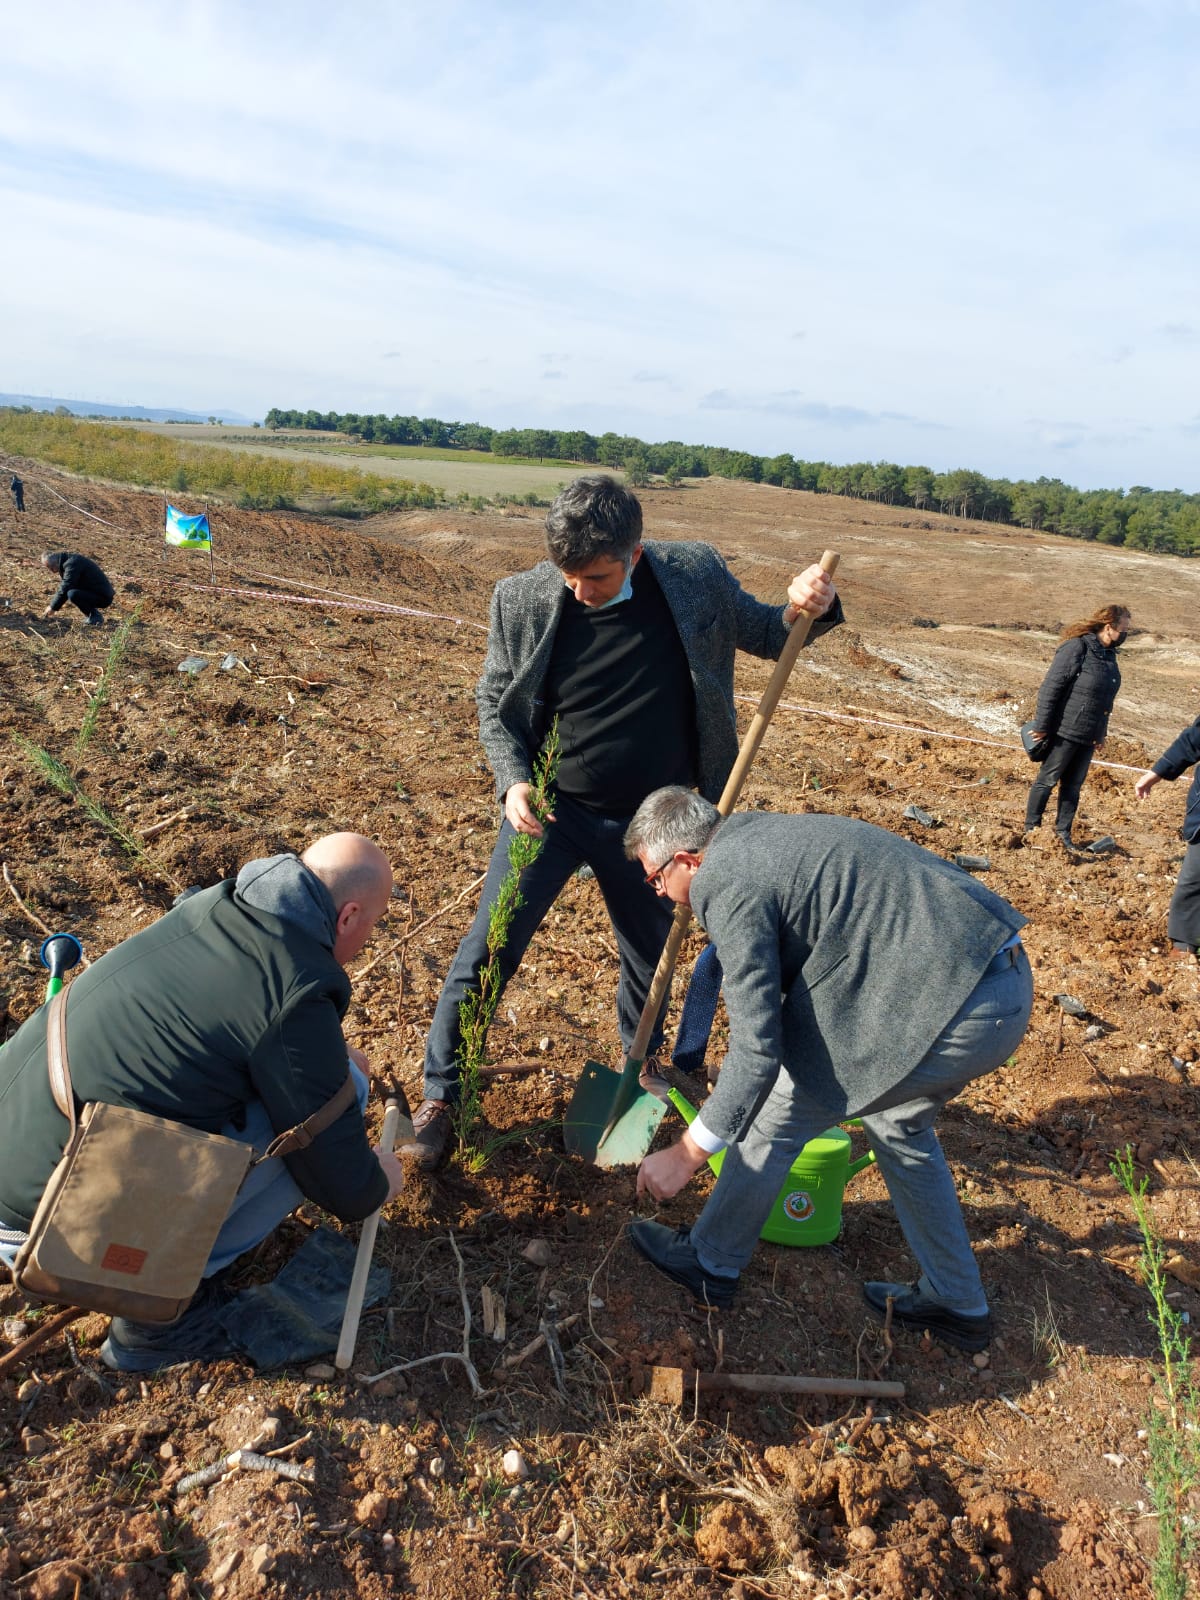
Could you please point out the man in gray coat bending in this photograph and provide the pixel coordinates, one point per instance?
(864, 977)
(631, 647)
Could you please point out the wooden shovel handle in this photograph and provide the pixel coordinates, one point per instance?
(366, 1249)
(753, 737)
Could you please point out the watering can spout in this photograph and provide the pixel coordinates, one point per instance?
(59, 953)
(856, 1167)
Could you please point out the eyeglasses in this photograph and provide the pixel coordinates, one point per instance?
(655, 880)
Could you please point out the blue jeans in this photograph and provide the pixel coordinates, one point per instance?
(269, 1192)
(985, 1032)
(640, 921)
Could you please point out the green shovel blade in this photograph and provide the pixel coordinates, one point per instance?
(611, 1120)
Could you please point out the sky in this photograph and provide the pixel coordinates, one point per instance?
(924, 231)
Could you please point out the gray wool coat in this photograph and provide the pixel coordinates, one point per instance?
(846, 950)
(715, 618)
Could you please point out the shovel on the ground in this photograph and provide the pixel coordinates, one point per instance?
(611, 1119)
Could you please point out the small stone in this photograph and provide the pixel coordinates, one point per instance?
(1093, 1031)
(981, 1359)
(320, 1370)
(437, 1467)
(544, 1043)
(29, 1390)
(166, 1450)
(515, 1464)
(595, 1303)
(192, 665)
(15, 1329)
(1072, 1007)
(226, 1567)
(371, 1511)
(262, 1559)
(34, 1444)
(862, 1538)
(538, 1252)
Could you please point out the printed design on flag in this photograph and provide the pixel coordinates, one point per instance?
(189, 531)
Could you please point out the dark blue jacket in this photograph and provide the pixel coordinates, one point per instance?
(1184, 753)
(1077, 694)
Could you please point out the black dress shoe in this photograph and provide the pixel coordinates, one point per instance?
(911, 1309)
(670, 1250)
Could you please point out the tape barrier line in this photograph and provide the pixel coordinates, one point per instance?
(928, 733)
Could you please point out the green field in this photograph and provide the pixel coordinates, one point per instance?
(453, 472)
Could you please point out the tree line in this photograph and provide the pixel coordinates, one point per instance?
(1140, 518)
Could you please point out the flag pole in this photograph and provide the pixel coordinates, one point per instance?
(212, 570)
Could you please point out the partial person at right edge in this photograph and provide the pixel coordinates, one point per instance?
(1073, 708)
(82, 581)
(1183, 918)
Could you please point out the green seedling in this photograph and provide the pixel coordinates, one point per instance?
(1173, 1424)
(478, 1007)
(112, 661)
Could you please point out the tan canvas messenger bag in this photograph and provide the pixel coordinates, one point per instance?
(130, 1215)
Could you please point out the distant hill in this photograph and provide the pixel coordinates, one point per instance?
(92, 408)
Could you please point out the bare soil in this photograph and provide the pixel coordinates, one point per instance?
(1024, 1477)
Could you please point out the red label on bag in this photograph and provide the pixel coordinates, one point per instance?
(123, 1258)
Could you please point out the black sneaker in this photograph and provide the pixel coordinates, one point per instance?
(432, 1126)
(671, 1251)
(95, 619)
(911, 1309)
(195, 1335)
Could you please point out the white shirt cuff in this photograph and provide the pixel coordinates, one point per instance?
(708, 1141)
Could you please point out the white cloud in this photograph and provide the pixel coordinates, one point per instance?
(839, 219)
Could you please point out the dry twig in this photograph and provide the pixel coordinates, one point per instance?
(36, 920)
(420, 927)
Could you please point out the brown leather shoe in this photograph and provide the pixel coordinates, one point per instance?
(432, 1127)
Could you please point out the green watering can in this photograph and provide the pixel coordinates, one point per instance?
(808, 1209)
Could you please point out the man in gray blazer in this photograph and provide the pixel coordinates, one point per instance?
(864, 977)
(631, 647)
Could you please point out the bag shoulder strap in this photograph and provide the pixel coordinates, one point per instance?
(303, 1134)
(57, 1065)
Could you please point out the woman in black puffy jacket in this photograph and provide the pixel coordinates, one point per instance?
(1073, 708)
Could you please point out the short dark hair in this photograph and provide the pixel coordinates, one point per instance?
(594, 516)
(671, 819)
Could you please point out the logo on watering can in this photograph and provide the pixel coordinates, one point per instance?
(798, 1206)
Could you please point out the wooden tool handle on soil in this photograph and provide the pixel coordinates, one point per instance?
(672, 1385)
(366, 1249)
(665, 969)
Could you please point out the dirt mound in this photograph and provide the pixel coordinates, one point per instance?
(312, 709)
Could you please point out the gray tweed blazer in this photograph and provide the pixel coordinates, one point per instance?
(846, 950)
(715, 618)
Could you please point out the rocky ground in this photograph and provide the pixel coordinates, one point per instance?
(317, 708)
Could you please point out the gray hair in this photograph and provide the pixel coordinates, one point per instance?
(669, 820)
(593, 517)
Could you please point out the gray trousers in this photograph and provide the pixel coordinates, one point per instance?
(1183, 919)
(985, 1032)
